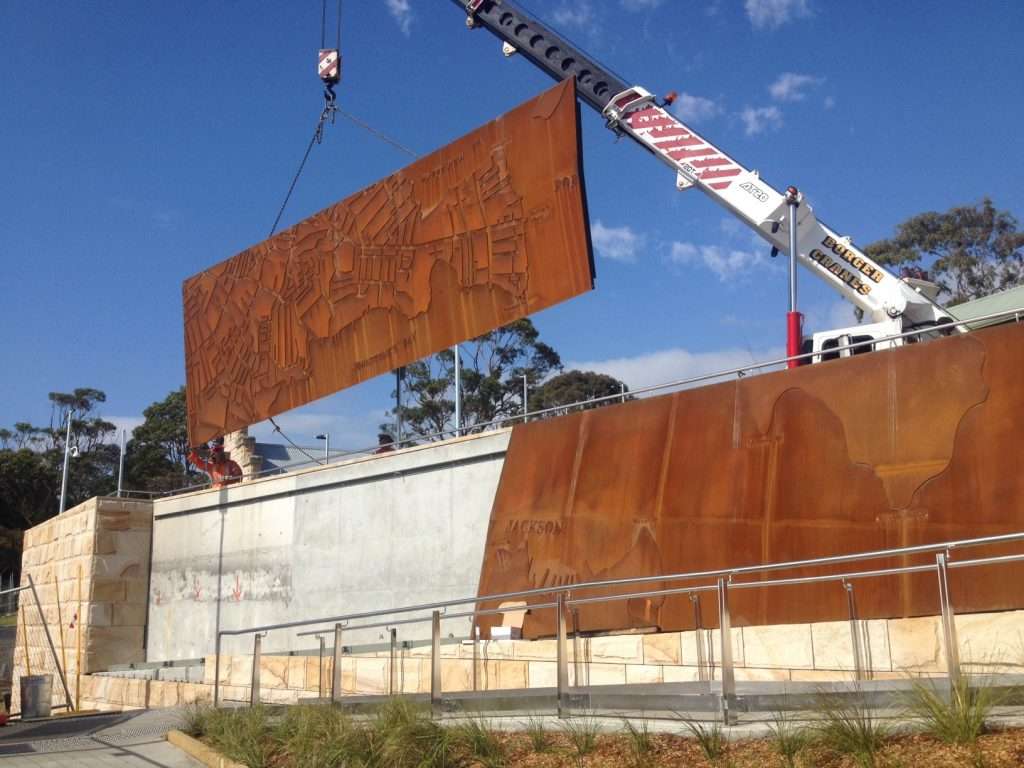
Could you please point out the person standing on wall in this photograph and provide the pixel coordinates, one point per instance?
(222, 470)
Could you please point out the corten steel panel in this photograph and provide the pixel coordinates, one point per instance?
(489, 229)
(916, 445)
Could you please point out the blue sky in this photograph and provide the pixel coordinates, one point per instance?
(142, 142)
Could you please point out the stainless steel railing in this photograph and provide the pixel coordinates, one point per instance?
(723, 582)
(1016, 314)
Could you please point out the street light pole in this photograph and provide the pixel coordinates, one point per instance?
(398, 406)
(526, 402)
(326, 437)
(64, 474)
(120, 464)
(458, 391)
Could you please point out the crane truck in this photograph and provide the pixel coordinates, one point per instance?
(890, 305)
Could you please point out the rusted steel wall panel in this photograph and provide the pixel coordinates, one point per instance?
(916, 445)
(489, 229)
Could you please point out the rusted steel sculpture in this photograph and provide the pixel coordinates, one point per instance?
(891, 449)
(489, 229)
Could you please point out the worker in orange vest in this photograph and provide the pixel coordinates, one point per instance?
(222, 470)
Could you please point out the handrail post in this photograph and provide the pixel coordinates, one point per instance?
(577, 657)
(949, 637)
(336, 671)
(728, 676)
(394, 664)
(435, 660)
(216, 670)
(851, 607)
(562, 657)
(320, 667)
(476, 655)
(257, 649)
(698, 640)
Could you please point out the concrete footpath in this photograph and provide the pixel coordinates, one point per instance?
(110, 740)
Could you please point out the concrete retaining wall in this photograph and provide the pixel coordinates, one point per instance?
(390, 530)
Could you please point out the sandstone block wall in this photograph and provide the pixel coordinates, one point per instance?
(91, 571)
(105, 693)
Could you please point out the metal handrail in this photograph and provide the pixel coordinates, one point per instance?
(483, 426)
(722, 587)
(423, 619)
(850, 576)
(728, 573)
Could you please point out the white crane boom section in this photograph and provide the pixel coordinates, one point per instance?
(894, 303)
(833, 258)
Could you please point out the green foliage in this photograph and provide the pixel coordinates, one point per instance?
(710, 738)
(849, 727)
(479, 740)
(582, 732)
(956, 716)
(575, 387)
(788, 737)
(166, 426)
(240, 734)
(641, 745)
(32, 457)
(29, 484)
(540, 739)
(194, 719)
(419, 743)
(315, 736)
(31, 463)
(970, 251)
(156, 457)
(493, 366)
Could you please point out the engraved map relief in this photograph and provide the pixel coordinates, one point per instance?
(487, 230)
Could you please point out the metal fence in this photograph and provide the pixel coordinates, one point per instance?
(33, 641)
(842, 350)
(565, 599)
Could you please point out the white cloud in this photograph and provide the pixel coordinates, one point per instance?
(579, 14)
(694, 109)
(160, 215)
(732, 227)
(829, 102)
(726, 263)
(759, 119)
(616, 243)
(122, 422)
(640, 5)
(789, 86)
(770, 14)
(829, 315)
(674, 364)
(401, 11)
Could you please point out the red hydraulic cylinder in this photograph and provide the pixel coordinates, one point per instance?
(794, 336)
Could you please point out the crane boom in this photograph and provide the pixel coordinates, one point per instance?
(901, 303)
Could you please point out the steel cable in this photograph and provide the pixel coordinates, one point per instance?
(299, 448)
